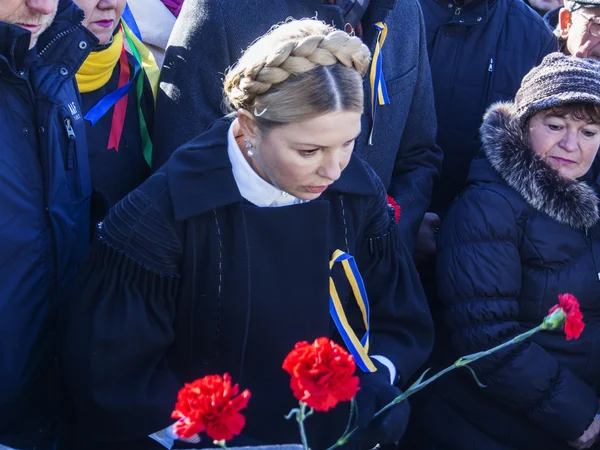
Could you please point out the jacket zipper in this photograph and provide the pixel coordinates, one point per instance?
(59, 36)
(72, 137)
(489, 75)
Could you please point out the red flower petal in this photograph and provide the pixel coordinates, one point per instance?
(210, 404)
(574, 319)
(322, 374)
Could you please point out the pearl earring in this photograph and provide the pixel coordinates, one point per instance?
(248, 146)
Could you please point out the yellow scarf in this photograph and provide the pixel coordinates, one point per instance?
(98, 67)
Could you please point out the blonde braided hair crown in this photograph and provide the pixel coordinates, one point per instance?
(292, 48)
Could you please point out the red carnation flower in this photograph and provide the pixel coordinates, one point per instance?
(213, 405)
(322, 374)
(396, 206)
(574, 319)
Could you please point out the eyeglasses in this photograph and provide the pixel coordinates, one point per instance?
(592, 25)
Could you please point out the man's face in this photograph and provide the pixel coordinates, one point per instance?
(581, 30)
(33, 15)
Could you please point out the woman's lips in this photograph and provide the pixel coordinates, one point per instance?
(32, 28)
(562, 160)
(316, 189)
(105, 23)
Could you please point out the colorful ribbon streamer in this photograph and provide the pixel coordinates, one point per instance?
(144, 65)
(379, 94)
(358, 348)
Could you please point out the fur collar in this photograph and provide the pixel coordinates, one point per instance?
(572, 203)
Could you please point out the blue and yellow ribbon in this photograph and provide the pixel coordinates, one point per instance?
(359, 348)
(379, 94)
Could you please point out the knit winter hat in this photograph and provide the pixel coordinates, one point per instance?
(558, 80)
(573, 5)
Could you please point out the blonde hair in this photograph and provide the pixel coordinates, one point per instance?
(298, 70)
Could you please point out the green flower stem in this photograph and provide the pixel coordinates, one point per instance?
(300, 416)
(461, 362)
(221, 443)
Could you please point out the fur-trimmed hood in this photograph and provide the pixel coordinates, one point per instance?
(572, 203)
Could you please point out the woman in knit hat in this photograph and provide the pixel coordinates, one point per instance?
(524, 230)
(118, 105)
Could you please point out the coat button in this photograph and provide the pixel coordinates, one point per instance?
(450, 5)
(22, 73)
(42, 130)
(479, 19)
(83, 45)
(25, 130)
(64, 72)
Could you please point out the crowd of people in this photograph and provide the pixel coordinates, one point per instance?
(448, 147)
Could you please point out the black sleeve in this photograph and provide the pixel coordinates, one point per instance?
(401, 325)
(478, 276)
(191, 87)
(419, 161)
(120, 323)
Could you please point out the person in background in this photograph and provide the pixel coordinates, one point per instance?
(119, 124)
(156, 19)
(577, 27)
(203, 269)
(479, 51)
(543, 6)
(209, 36)
(44, 206)
(525, 230)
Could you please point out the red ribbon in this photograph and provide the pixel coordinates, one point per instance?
(120, 108)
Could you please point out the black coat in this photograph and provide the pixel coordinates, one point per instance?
(519, 236)
(117, 172)
(189, 279)
(44, 213)
(209, 37)
(478, 55)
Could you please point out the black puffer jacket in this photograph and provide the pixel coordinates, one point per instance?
(479, 53)
(518, 236)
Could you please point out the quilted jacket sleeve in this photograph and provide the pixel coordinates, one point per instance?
(479, 282)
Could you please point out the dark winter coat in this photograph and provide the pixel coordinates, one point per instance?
(44, 213)
(117, 172)
(188, 279)
(209, 37)
(479, 54)
(519, 236)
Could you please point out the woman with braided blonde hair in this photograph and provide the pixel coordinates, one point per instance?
(220, 262)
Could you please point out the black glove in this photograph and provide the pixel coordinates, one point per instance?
(375, 392)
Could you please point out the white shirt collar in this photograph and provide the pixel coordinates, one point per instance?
(252, 187)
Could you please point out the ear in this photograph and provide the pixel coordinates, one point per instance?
(248, 125)
(564, 22)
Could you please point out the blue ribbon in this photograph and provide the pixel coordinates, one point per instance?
(358, 348)
(108, 101)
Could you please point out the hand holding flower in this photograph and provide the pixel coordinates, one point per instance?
(375, 391)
